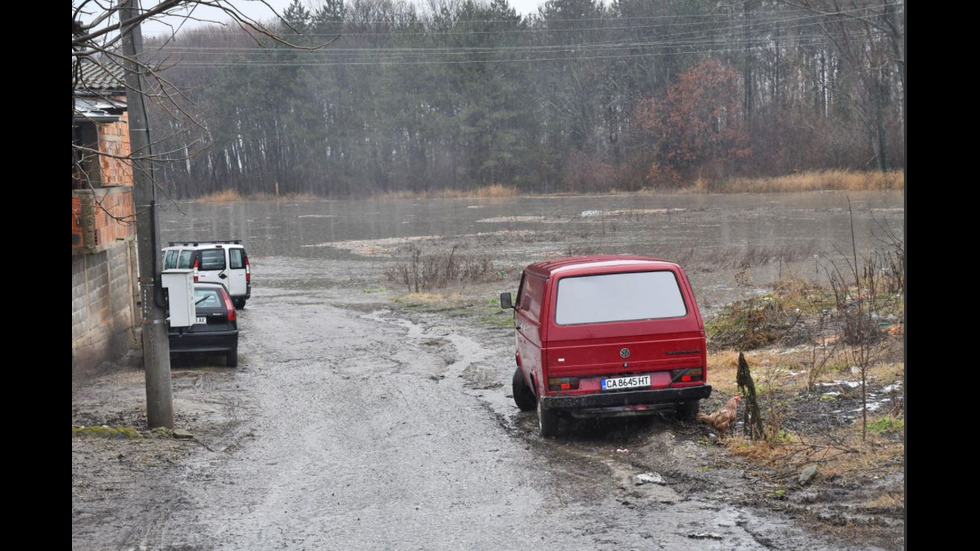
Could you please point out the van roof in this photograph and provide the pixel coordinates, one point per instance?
(231, 243)
(598, 261)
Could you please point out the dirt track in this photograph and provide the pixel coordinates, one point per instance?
(358, 425)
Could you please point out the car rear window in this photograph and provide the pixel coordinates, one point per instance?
(212, 259)
(236, 258)
(618, 297)
(207, 298)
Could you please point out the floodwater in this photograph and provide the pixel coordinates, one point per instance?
(355, 423)
(730, 244)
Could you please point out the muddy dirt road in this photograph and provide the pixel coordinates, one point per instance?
(356, 428)
(354, 422)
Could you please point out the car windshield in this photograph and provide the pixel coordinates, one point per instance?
(618, 297)
(207, 298)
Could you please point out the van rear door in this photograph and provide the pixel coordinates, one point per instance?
(624, 325)
(237, 272)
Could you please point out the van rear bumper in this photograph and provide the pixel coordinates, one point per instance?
(662, 398)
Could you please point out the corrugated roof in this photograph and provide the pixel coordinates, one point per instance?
(102, 75)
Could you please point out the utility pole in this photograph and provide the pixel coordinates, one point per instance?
(156, 346)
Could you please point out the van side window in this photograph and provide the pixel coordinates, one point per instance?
(236, 258)
(171, 260)
(518, 302)
(212, 259)
(530, 299)
(184, 262)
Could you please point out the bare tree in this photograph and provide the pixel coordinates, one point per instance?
(99, 88)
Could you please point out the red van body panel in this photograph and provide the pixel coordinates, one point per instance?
(566, 364)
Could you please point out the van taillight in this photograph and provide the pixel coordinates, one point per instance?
(196, 260)
(688, 375)
(563, 383)
(229, 306)
(248, 271)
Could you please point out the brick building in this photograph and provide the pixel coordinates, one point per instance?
(104, 316)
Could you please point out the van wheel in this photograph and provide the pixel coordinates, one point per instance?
(239, 303)
(547, 422)
(231, 359)
(523, 396)
(688, 411)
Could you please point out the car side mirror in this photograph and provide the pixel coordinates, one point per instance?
(505, 301)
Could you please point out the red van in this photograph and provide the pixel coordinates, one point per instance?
(607, 336)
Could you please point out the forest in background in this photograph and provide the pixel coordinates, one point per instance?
(386, 96)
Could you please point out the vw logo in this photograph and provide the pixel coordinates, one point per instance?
(624, 353)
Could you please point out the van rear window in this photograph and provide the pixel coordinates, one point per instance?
(236, 257)
(618, 297)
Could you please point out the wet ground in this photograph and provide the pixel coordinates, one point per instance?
(359, 420)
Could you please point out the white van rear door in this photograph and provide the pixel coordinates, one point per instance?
(236, 282)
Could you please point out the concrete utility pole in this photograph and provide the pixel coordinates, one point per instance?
(156, 345)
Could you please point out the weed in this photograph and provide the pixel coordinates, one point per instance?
(885, 424)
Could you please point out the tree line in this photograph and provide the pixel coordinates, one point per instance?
(375, 96)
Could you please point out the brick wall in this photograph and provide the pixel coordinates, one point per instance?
(77, 234)
(103, 309)
(102, 217)
(114, 141)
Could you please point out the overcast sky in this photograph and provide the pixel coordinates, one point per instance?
(260, 11)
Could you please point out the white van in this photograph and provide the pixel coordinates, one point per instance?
(224, 262)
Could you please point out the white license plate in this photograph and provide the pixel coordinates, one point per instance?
(626, 382)
(201, 319)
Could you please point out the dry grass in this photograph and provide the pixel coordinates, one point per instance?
(494, 191)
(842, 454)
(225, 196)
(233, 196)
(839, 180)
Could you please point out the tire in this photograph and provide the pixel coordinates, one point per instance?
(688, 411)
(231, 359)
(239, 303)
(523, 396)
(547, 422)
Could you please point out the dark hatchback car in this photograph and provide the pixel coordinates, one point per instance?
(216, 327)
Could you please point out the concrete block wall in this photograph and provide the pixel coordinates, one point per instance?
(103, 306)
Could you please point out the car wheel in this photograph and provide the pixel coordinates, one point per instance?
(547, 422)
(239, 303)
(523, 396)
(231, 360)
(688, 411)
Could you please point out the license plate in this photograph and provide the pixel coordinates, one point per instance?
(626, 382)
(201, 319)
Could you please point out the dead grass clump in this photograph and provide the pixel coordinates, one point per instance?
(751, 324)
(840, 180)
(224, 196)
(234, 196)
(423, 272)
(492, 191)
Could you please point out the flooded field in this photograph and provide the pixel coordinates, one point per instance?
(756, 237)
(363, 417)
